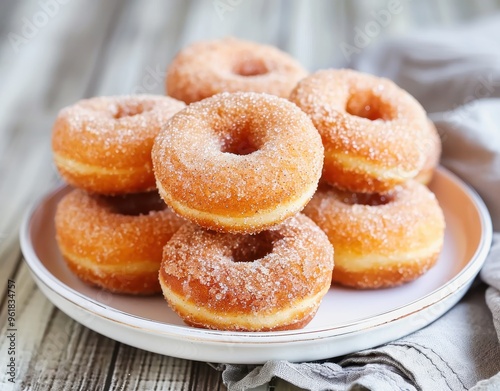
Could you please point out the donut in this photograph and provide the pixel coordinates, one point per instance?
(374, 133)
(433, 154)
(380, 240)
(238, 162)
(103, 145)
(206, 68)
(115, 243)
(273, 280)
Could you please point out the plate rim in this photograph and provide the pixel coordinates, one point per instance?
(184, 332)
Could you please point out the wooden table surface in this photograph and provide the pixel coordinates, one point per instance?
(55, 52)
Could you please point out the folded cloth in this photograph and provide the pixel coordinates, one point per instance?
(455, 74)
(452, 354)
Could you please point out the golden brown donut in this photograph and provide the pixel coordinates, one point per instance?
(433, 153)
(374, 133)
(274, 280)
(115, 242)
(238, 162)
(206, 68)
(380, 241)
(103, 144)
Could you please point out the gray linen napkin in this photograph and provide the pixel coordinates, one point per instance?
(455, 74)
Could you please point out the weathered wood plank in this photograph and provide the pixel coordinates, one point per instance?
(32, 314)
(13, 208)
(138, 370)
(69, 357)
(139, 48)
(204, 377)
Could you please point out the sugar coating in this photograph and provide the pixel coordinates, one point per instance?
(299, 265)
(391, 224)
(190, 166)
(90, 130)
(433, 155)
(396, 238)
(93, 227)
(370, 120)
(206, 68)
(96, 139)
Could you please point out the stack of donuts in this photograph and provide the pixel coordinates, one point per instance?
(112, 226)
(387, 228)
(199, 195)
(240, 166)
(240, 162)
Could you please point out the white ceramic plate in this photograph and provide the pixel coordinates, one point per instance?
(347, 321)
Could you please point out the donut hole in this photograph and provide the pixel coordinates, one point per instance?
(250, 67)
(369, 199)
(130, 110)
(254, 247)
(366, 104)
(239, 142)
(135, 204)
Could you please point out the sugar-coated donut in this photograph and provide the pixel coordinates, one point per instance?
(238, 162)
(115, 242)
(273, 280)
(433, 154)
(380, 240)
(103, 144)
(206, 68)
(374, 133)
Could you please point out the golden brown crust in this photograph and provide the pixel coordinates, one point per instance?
(103, 144)
(144, 284)
(380, 240)
(207, 68)
(271, 281)
(386, 276)
(433, 151)
(230, 191)
(374, 133)
(105, 245)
